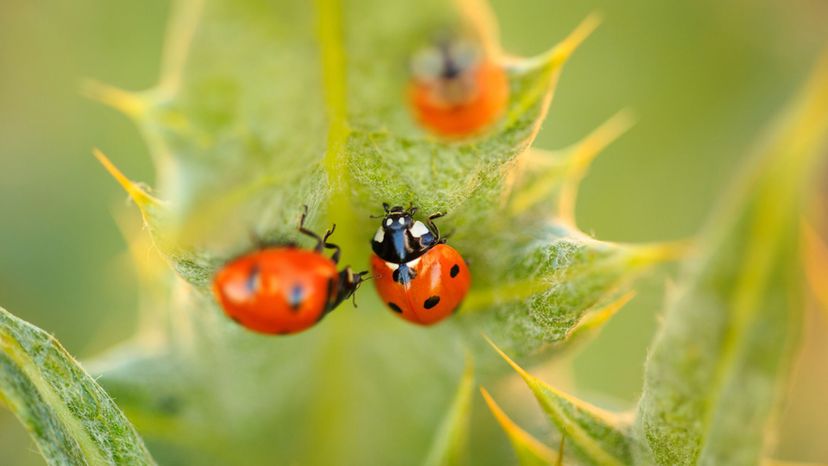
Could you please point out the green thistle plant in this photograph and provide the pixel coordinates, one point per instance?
(265, 107)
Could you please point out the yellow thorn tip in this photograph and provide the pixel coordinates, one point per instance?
(525, 375)
(128, 103)
(517, 434)
(565, 48)
(138, 195)
(601, 316)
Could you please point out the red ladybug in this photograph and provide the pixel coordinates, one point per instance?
(456, 91)
(417, 275)
(285, 289)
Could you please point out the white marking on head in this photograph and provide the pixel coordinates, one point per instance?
(401, 220)
(379, 236)
(419, 229)
(413, 262)
(392, 266)
(389, 221)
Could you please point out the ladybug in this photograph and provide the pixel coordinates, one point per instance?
(455, 90)
(285, 289)
(419, 276)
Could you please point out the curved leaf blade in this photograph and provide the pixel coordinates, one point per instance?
(529, 450)
(71, 418)
(597, 436)
(715, 373)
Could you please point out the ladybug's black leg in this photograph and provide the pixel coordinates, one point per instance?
(337, 250)
(319, 241)
(432, 226)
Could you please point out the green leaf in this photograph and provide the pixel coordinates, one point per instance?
(543, 277)
(241, 144)
(529, 450)
(552, 282)
(72, 420)
(450, 444)
(714, 375)
(598, 437)
(267, 106)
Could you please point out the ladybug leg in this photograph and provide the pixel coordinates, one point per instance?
(319, 241)
(348, 284)
(327, 245)
(433, 226)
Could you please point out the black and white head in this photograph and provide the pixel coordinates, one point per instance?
(400, 238)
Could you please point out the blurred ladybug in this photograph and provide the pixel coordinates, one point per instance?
(285, 289)
(456, 90)
(417, 275)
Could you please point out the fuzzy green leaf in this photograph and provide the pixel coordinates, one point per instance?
(715, 372)
(267, 106)
(233, 160)
(70, 417)
(597, 437)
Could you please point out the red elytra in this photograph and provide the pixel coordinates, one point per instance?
(277, 290)
(285, 289)
(440, 282)
(484, 94)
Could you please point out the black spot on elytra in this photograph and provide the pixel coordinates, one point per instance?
(297, 297)
(252, 283)
(395, 308)
(431, 302)
(455, 269)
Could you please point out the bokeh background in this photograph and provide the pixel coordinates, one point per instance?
(703, 77)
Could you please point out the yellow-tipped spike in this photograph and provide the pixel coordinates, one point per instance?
(599, 317)
(559, 406)
(570, 170)
(141, 198)
(564, 49)
(528, 449)
(523, 374)
(557, 55)
(582, 156)
(129, 103)
(645, 255)
(551, 62)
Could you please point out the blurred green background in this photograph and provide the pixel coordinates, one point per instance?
(704, 77)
